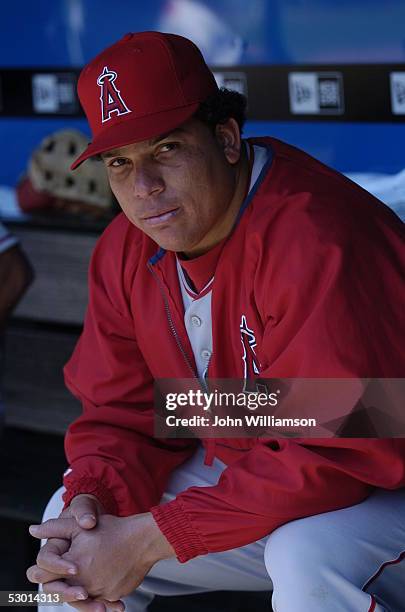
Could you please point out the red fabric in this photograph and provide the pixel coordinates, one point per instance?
(315, 265)
(372, 604)
(31, 200)
(201, 269)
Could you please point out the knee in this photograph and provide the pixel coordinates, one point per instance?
(295, 549)
(54, 506)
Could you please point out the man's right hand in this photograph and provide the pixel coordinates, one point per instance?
(51, 569)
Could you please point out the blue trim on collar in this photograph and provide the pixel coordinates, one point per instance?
(257, 184)
(157, 256)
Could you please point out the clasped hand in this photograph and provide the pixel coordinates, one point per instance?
(92, 559)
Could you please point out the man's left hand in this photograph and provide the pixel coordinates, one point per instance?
(113, 558)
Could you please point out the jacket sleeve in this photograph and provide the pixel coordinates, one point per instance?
(322, 302)
(111, 449)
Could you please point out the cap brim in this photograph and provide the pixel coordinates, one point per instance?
(136, 129)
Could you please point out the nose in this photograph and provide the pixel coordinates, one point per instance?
(147, 180)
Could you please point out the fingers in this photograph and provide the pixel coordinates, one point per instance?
(50, 558)
(77, 597)
(85, 509)
(68, 593)
(37, 575)
(113, 606)
(54, 528)
(91, 605)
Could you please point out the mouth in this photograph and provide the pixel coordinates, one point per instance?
(161, 218)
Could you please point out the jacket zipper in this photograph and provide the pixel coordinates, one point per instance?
(210, 449)
(171, 324)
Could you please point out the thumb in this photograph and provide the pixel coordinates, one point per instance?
(85, 509)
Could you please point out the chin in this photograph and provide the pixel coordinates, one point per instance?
(170, 245)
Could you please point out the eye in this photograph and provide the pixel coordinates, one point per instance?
(118, 162)
(167, 147)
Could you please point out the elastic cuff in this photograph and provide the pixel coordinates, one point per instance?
(175, 524)
(88, 484)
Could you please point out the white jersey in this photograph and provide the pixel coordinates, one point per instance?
(7, 240)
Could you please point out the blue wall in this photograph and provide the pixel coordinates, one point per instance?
(70, 32)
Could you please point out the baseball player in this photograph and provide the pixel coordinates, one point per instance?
(232, 258)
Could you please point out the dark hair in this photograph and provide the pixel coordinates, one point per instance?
(221, 106)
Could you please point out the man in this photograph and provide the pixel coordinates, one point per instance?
(222, 238)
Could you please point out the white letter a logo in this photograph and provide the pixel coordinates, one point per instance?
(111, 100)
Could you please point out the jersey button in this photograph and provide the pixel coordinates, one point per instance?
(196, 321)
(205, 354)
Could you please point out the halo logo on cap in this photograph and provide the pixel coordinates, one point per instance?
(110, 97)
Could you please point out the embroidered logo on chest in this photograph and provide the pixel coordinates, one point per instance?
(248, 339)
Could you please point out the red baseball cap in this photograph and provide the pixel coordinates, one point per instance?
(144, 85)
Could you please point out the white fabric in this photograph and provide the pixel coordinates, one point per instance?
(260, 158)
(9, 207)
(197, 320)
(7, 240)
(315, 564)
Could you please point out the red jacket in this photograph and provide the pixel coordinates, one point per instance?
(316, 265)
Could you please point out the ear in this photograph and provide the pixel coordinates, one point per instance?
(229, 139)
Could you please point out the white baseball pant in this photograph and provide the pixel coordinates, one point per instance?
(349, 560)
